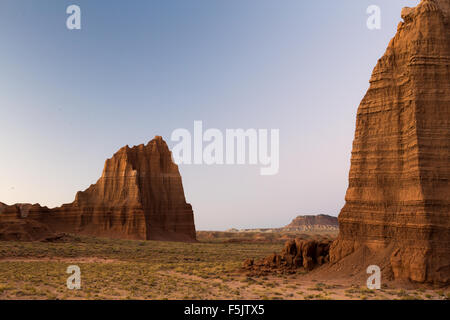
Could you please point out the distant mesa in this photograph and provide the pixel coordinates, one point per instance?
(313, 222)
(139, 196)
(398, 200)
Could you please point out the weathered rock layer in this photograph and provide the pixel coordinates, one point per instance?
(398, 199)
(139, 196)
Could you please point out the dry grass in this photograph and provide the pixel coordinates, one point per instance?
(121, 269)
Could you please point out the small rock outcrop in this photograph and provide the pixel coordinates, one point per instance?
(297, 254)
(16, 223)
(139, 196)
(398, 198)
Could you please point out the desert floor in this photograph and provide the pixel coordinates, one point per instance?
(209, 269)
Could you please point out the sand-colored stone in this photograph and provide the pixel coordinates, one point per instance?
(398, 199)
(139, 196)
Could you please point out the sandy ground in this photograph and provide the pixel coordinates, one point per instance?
(125, 269)
(266, 287)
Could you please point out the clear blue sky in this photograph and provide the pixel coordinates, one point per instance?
(70, 99)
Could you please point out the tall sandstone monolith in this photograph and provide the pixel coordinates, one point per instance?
(398, 199)
(139, 196)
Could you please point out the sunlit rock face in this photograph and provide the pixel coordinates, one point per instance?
(398, 198)
(139, 196)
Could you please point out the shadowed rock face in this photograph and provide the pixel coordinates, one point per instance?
(398, 199)
(139, 196)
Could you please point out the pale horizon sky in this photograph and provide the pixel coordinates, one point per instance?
(70, 99)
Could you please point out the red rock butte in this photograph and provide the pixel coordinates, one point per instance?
(398, 198)
(139, 196)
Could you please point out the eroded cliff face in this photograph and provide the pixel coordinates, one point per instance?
(398, 199)
(139, 196)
